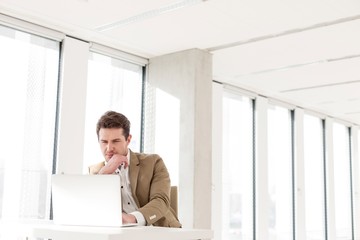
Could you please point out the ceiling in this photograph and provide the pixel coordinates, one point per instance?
(306, 53)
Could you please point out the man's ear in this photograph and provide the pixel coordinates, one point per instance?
(129, 138)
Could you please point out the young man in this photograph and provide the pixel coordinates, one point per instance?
(145, 181)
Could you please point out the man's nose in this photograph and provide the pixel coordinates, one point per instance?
(110, 146)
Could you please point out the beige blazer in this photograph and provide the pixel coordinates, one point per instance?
(150, 187)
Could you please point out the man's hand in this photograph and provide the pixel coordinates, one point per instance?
(114, 162)
(128, 218)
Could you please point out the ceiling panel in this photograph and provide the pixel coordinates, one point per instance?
(341, 101)
(325, 43)
(325, 95)
(199, 26)
(269, 17)
(85, 13)
(309, 76)
(299, 51)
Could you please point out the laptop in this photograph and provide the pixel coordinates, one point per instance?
(87, 200)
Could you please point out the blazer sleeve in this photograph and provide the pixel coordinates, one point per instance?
(159, 194)
(94, 169)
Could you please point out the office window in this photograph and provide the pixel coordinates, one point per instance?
(342, 182)
(28, 95)
(314, 178)
(115, 85)
(237, 175)
(280, 174)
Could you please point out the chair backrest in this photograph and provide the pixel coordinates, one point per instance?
(174, 199)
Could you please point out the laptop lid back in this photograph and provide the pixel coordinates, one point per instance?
(86, 200)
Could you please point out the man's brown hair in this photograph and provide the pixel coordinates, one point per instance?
(112, 119)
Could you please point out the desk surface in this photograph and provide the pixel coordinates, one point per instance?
(52, 231)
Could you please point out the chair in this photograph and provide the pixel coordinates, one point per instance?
(174, 198)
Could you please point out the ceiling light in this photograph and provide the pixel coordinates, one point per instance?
(149, 14)
(285, 68)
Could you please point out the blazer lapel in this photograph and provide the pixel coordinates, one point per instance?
(134, 172)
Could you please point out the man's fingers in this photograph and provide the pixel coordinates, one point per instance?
(118, 161)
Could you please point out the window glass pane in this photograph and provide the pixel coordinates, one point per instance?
(280, 173)
(342, 183)
(28, 92)
(237, 174)
(112, 85)
(314, 178)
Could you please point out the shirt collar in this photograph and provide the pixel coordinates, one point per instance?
(128, 156)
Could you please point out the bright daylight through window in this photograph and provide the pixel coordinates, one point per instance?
(342, 182)
(314, 178)
(280, 208)
(28, 95)
(112, 84)
(237, 174)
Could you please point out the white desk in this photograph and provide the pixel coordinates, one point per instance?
(58, 232)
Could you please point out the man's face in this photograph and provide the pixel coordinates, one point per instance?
(112, 141)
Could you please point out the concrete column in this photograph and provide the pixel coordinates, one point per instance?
(187, 76)
(73, 106)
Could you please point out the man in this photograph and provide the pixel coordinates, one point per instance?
(145, 181)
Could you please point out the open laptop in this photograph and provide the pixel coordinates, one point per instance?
(87, 200)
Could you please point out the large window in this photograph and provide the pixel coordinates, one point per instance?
(116, 85)
(314, 178)
(280, 181)
(342, 182)
(325, 199)
(237, 174)
(28, 95)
